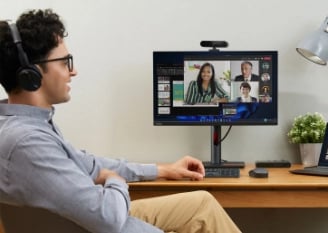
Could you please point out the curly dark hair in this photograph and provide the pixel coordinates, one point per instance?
(40, 31)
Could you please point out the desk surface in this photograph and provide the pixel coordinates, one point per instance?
(280, 190)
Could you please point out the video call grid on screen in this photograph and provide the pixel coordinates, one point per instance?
(175, 71)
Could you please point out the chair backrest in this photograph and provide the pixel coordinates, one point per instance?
(27, 219)
(1, 227)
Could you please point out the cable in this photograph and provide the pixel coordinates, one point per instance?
(226, 134)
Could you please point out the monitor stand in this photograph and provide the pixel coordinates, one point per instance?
(216, 160)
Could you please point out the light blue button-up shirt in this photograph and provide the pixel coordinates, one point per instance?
(39, 168)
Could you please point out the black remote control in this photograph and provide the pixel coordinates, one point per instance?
(272, 163)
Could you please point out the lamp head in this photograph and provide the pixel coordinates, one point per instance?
(314, 47)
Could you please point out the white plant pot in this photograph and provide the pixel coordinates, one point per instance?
(310, 153)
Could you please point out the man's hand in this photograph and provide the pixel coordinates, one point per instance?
(187, 167)
(104, 174)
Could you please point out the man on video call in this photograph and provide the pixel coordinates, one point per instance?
(39, 168)
(246, 73)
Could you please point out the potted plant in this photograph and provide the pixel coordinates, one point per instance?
(308, 131)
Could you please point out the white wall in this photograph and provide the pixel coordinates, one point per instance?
(112, 42)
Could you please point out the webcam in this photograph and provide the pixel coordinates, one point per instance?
(214, 44)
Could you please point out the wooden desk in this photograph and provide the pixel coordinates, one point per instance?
(281, 190)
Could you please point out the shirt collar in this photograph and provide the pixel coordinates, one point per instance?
(246, 99)
(248, 78)
(25, 110)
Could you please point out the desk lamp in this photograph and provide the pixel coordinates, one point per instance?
(314, 47)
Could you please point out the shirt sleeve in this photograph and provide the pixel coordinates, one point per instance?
(130, 171)
(192, 92)
(220, 92)
(42, 174)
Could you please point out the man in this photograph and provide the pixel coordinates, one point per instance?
(245, 90)
(38, 168)
(246, 73)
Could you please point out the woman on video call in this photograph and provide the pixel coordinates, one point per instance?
(205, 89)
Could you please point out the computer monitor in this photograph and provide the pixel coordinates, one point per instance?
(215, 88)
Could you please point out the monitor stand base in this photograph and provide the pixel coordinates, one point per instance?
(234, 164)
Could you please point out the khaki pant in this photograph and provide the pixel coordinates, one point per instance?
(191, 212)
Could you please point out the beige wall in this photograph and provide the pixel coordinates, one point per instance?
(112, 41)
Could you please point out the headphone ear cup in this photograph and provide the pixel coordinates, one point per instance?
(29, 78)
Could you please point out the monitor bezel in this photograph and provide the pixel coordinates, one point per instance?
(214, 53)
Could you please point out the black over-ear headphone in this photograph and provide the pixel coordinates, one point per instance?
(28, 75)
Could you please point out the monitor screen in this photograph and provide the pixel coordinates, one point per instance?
(215, 87)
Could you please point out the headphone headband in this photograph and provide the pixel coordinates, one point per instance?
(28, 75)
(18, 41)
(15, 34)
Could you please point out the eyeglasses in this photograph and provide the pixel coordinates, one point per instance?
(68, 58)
